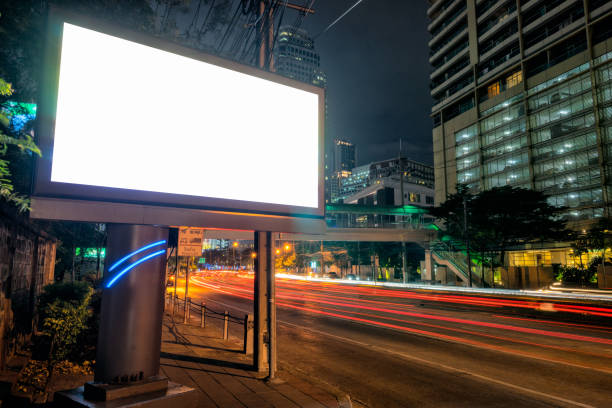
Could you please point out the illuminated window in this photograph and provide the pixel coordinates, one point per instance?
(514, 79)
(493, 90)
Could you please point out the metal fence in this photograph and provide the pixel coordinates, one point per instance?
(177, 305)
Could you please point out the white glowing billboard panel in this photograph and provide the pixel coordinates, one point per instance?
(134, 117)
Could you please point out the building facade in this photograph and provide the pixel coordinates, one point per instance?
(344, 156)
(342, 162)
(414, 174)
(387, 191)
(295, 57)
(523, 97)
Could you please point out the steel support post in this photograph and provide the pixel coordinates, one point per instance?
(271, 313)
(248, 334)
(263, 262)
(226, 325)
(203, 315)
(129, 342)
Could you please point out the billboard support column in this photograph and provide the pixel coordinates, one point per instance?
(129, 342)
(272, 311)
(263, 265)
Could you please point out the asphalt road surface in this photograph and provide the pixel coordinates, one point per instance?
(414, 348)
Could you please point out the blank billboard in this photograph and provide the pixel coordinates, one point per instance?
(132, 120)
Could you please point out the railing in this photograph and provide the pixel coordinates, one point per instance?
(455, 257)
(175, 305)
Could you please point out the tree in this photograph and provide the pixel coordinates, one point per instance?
(11, 138)
(451, 212)
(580, 246)
(599, 238)
(501, 217)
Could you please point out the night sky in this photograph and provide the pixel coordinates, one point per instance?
(376, 60)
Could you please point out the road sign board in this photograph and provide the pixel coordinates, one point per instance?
(190, 241)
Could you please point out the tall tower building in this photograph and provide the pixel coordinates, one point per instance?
(344, 155)
(343, 161)
(295, 57)
(522, 96)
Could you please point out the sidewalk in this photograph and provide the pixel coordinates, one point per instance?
(223, 376)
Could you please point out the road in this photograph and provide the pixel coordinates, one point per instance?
(390, 347)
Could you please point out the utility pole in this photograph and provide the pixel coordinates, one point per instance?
(467, 240)
(265, 31)
(265, 311)
(401, 166)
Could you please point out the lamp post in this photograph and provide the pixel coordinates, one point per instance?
(234, 245)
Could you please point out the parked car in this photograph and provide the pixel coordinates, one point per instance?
(351, 276)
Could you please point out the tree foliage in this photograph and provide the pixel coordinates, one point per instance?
(500, 218)
(596, 240)
(20, 140)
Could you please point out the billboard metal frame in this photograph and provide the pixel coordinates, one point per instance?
(53, 200)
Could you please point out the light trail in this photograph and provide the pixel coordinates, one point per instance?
(552, 322)
(471, 300)
(507, 339)
(460, 340)
(350, 304)
(478, 323)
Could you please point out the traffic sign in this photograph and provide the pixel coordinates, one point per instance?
(190, 241)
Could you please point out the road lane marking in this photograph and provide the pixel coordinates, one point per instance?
(454, 329)
(440, 337)
(442, 366)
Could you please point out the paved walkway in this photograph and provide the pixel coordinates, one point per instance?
(223, 375)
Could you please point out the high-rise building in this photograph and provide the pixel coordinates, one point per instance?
(344, 155)
(522, 96)
(295, 57)
(342, 162)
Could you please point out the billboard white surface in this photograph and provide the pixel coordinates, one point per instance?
(130, 116)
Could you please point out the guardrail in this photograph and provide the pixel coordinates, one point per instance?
(175, 304)
(447, 252)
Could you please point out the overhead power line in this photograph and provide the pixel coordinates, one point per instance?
(338, 19)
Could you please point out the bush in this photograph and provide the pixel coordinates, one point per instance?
(578, 276)
(63, 320)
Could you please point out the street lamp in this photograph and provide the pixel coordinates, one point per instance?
(235, 245)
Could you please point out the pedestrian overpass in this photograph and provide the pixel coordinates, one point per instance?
(367, 223)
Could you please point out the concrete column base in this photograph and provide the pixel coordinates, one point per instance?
(175, 395)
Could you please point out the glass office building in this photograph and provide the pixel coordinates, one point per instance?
(523, 96)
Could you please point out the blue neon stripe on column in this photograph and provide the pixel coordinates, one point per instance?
(132, 266)
(139, 250)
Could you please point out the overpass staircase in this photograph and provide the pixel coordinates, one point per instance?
(453, 256)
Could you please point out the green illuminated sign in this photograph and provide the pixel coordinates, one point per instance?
(90, 252)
